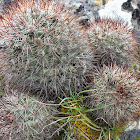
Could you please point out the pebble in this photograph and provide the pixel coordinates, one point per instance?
(130, 135)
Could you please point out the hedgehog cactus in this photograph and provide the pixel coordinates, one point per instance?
(31, 119)
(118, 90)
(43, 47)
(112, 42)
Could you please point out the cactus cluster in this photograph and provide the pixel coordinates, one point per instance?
(43, 48)
(115, 51)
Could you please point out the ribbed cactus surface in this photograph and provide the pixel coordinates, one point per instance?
(112, 42)
(43, 48)
(118, 91)
(28, 118)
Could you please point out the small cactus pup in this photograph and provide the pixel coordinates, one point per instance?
(112, 42)
(29, 118)
(119, 91)
(43, 48)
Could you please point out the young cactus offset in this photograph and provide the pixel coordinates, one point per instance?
(43, 48)
(118, 91)
(27, 118)
(112, 42)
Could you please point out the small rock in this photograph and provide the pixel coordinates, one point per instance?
(130, 135)
(127, 6)
(136, 14)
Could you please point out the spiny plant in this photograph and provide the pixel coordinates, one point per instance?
(32, 119)
(80, 125)
(43, 48)
(118, 88)
(112, 42)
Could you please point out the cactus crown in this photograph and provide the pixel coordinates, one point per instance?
(44, 47)
(112, 42)
(117, 88)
